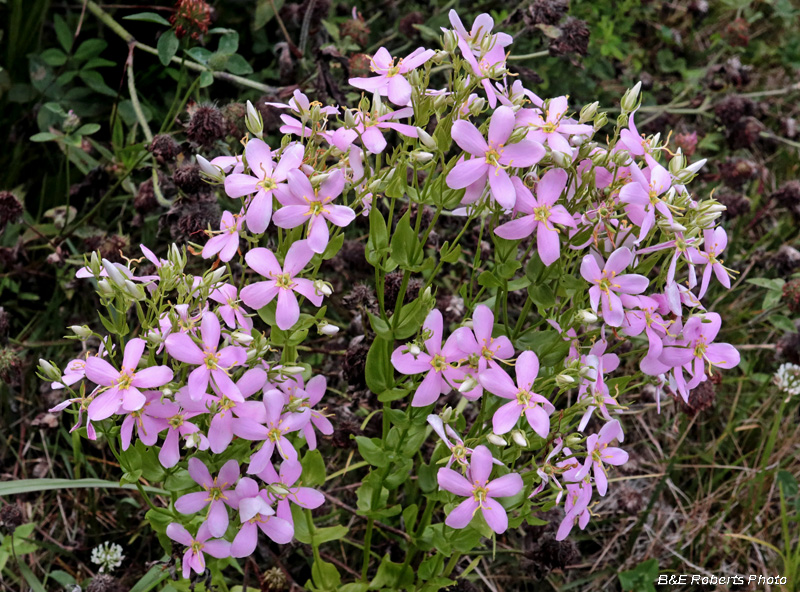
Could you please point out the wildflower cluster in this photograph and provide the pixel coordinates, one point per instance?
(604, 239)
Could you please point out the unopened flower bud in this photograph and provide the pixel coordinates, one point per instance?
(49, 371)
(426, 139)
(135, 291)
(192, 440)
(469, 384)
(696, 166)
(477, 105)
(114, 274)
(573, 440)
(561, 159)
(154, 338)
(600, 121)
(95, 264)
(242, 337)
(421, 157)
(211, 170)
(440, 102)
(413, 349)
(496, 440)
(447, 414)
(254, 121)
(105, 288)
(440, 56)
(588, 112)
(323, 288)
(450, 41)
(81, 331)
(291, 370)
(564, 381)
(216, 275)
(676, 227)
(677, 162)
(585, 316)
(349, 119)
(630, 100)
(166, 391)
(621, 158)
(328, 329)
(278, 489)
(519, 438)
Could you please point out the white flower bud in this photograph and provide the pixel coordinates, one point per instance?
(477, 106)
(105, 288)
(440, 102)
(211, 170)
(323, 288)
(328, 329)
(496, 440)
(630, 99)
(426, 139)
(192, 440)
(696, 166)
(242, 337)
(519, 438)
(421, 156)
(291, 370)
(561, 159)
(675, 227)
(414, 349)
(447, 414)
(588, 112)
(349, 119)
(49, 371)
(564, 381)
(573, 440)
(254, 121)
(586, 316)
(114, 274)
(135, 291)
(81, 331)
(468, 384)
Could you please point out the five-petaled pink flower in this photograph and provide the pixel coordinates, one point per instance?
(194, 558)
(303, 202)
(714, 242)
(212, 363)
(390, 80)
(536, 408)
(281, 283)
(226, 243)
(491, 159)
(217, 493)
(256, 513)
(608, 283)
(266, 179)
(540, 214)
(551, 127)
(124, 384)
(479, 491)
(599, 453)
(438, 361)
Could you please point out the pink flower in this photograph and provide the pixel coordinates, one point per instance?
(278, 425)
(369, 128)
(608, 284)
(194, 558)
(212, 364)
(125, 383)
(493, 158)
(541, 214)
(599, 453)
(481, 349)
(230, 311)
(549, 126)
(303, 202)
(480, 35)
(150, 421)
(217, 493)
(536, 408)
(308, 395)
(227, 242)
(714, 242)
(437, 361)
(266, 179)
(179, 427)
(390, 81)
(287, 492)
(282, 282)
(576, 506)
(479, 491)
(458, 450)
(643, 196)
(256, 513)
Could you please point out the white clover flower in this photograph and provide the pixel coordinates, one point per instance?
(108, 556)
(787, 379)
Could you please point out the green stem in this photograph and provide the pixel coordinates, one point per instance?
(137, 107)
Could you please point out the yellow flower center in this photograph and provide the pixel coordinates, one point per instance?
(439, 363)
(284, 281)
(123, 382)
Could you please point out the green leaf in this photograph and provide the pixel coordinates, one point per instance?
(53, 57)
(371, 452)
(392, 575)
(148, 17)
(313, 468)
(333, 247)
(91, 48)
(236, 64)
(63, 33)
(378, 239)
(325, 575)
(542, 295)
(452, 254)
(782, 323)
(331, 533)
(43, 137)
(95, 81)
(640, 578)
(228, 43)
(405, 247)
(265, 13)
(380, 327)
(33, 581)
(489, 280)
(88, 129)
(379, 372)
(167, 47)
(19, 486)
(550, 348)
(156, 575)
(774, 284)
(206, 79)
